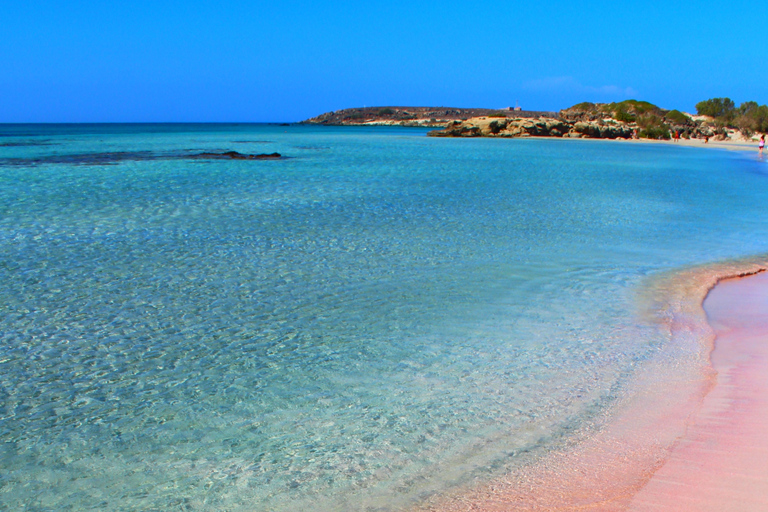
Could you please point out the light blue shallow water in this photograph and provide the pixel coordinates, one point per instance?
(375, 318)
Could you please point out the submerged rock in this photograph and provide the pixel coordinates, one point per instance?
(116, 157)
(234, 155)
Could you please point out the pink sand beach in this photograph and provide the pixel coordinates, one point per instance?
(694, 437)
(721, 463)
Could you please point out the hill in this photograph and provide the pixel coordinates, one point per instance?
(626, 119)
(415, 116)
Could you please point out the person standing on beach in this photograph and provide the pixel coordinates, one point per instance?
(761, 144)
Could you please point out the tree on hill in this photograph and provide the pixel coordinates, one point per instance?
(748, 118)
(654, 122)
(719, 108)
(751, 118)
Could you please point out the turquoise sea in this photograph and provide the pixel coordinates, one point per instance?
(374, 318)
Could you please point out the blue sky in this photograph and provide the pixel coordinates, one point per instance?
(287, 60)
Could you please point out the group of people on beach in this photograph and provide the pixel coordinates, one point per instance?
(676, 137)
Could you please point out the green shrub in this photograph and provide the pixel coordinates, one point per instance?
(654, 132)
(634, 106)
(497, 114)
(649, 120)
(677, 117)
(652, 127)
(585, 105)
(386, 112)
(745, 124)
(624, 116)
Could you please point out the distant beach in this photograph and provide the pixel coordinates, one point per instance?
(732, 144)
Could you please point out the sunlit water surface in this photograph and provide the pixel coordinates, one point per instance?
(376, 317)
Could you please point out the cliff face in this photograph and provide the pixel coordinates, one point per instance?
(412, 116)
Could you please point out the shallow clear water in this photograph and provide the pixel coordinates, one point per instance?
(377, 317)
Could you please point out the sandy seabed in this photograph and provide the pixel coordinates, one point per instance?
(691, 437)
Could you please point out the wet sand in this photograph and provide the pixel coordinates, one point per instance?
(721, 463)
(691, 437)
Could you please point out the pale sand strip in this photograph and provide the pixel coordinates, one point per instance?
(736, 145)
(731, 144)
(721, 464)
(644, 447)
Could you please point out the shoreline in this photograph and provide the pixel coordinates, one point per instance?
(731, 145)
(720, 463)
(625, 462)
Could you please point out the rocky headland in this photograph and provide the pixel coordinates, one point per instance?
(437, 117)
(628, 119)
(623, 120)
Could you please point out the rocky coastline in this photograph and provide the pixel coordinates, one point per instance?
(437, 117)
(625, 120)
(541, 127)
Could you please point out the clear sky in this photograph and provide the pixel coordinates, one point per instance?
(287, 60)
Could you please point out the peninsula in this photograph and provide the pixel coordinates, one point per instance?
(438, 117)
(624, 120)
(717, 118)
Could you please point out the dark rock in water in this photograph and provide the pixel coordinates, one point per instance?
(107, 158)
(234, 155)
(115, 157)
(25, 143)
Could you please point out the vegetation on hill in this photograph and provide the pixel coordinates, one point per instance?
(652, 122)
(720, 118)
(752, 118)
(675, 116)
(721, 108)
(749, 117)
(632, 107)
